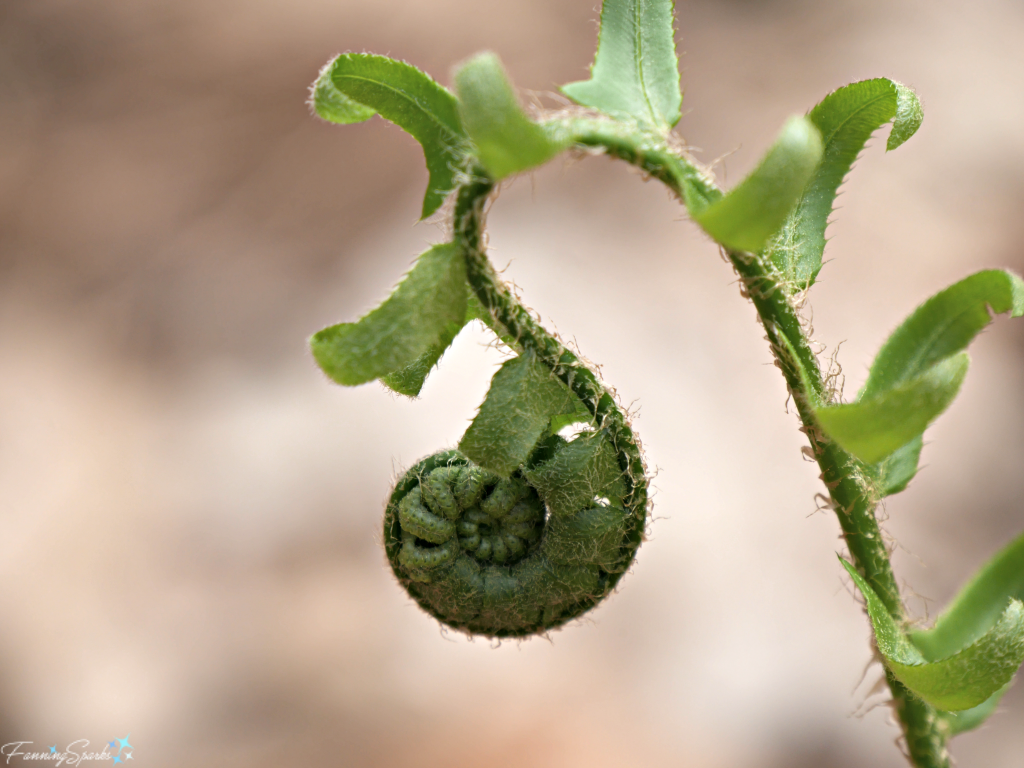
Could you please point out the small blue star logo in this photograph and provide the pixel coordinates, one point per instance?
(124, 743)
(113, 744)
(53, 750)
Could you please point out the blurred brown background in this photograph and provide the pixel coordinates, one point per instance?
(189, 512)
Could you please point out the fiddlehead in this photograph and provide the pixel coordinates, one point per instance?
(498, 556)
(520, 530)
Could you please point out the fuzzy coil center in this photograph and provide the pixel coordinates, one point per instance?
(468, 509)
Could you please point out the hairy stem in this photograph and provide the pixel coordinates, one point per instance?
(511, 320)
(852, 494)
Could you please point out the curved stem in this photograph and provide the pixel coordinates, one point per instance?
(512, 317)
(852, 494)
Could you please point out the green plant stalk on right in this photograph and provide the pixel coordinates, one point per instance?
(852, 494)
(771, 226)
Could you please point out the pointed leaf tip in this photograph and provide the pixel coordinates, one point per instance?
(908, 118)
(332, 105)
(409, 380)
(891, 642)
(635, 74)
(896, 472)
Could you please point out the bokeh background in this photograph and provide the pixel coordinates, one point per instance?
(189, 512)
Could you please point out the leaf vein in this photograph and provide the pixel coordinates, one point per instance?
(407, 97)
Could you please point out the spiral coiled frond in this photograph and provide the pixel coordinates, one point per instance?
(519, 530)
(489, 556)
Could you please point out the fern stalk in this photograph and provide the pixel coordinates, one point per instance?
(852, 495)
(511, 320)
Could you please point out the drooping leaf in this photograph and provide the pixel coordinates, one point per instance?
(410, 322)
(635, 73)
(873, 428)
(410, 379)
(753, 211)
(908, 118)
(970, 677)
(914, 376)
(896, 471)
(943, 326)
(972, 613)
(523, 397)
(978, 606)
(401, 93)
(580, 471)
(961, 681)
(334, 106)
(506, 140)
(846, 119)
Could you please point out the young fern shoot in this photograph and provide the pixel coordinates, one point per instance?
(520, 530)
